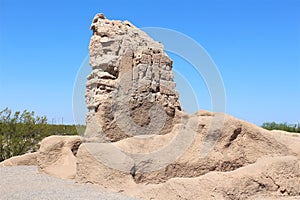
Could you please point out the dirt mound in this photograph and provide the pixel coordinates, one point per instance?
(246, 161)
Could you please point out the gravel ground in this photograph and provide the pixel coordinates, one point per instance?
(25, 182)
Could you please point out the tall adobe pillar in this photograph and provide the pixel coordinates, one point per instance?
(131, 89)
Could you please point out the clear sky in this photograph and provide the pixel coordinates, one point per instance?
(255, 45)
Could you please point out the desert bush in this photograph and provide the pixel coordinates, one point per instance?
(21, 132)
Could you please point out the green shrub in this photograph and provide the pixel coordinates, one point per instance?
(282, 126)
(21, 132)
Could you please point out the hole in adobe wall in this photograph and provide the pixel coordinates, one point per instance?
(96, 109)
(95, 20)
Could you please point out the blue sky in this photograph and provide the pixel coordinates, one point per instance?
(255, 45)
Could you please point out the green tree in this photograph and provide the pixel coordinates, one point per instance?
(20, 132)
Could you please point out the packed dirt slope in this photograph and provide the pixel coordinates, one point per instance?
(246, 162)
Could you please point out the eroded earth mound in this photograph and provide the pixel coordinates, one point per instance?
(139, 142)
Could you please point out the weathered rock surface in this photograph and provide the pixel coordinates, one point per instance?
(56, 155)
(131, 76)
(274, 173)
(26, 159)
(245, 162)
(237, 144)
(89, 169)
(268, 178)
(130, 67)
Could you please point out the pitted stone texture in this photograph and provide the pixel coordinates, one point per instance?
(131, 74)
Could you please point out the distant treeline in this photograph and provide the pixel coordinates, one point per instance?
(282, 126)
(20, 132)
